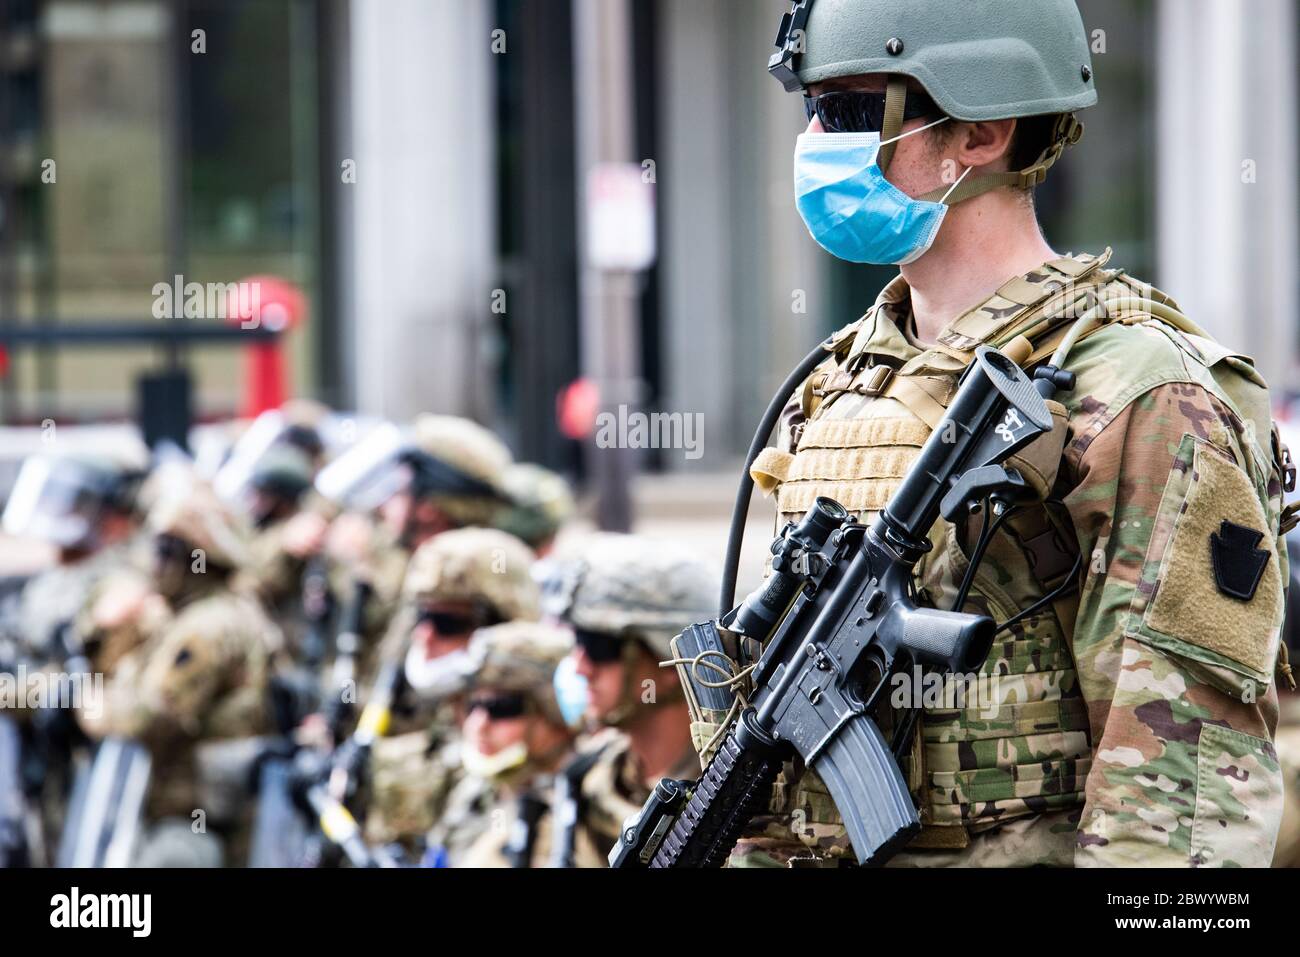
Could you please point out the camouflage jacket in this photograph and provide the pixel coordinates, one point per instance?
(54, 597)
(612, 790)
(200, 673)
(275, 576)
(517, 829)
(1139, 729)
(412, 777)
(470, 810)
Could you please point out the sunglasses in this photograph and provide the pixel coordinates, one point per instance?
(499, 707)
(601, 648)
(168, 548)
(859, 111)
(456, 623)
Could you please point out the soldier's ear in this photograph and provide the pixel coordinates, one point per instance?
(983, 143)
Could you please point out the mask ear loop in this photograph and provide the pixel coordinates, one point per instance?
(953, 189)
(919, 129)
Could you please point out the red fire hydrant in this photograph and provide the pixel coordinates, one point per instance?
(272, 303)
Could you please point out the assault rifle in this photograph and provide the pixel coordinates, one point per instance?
(837, 620)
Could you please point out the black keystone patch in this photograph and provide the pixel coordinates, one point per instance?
(1238, 561)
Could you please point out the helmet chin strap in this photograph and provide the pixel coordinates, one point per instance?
(1067, 132)
(895, 103)
(628, 701)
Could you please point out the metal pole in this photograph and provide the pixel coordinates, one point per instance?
(606, 126)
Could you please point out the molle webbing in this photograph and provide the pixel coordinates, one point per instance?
(858, 462)
(1023, 747)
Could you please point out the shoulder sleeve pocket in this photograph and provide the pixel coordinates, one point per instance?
(1211, 589)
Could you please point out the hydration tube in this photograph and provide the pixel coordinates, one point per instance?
(740, 512)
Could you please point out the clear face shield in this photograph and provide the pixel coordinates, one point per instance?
(369, 473)
(59, 501)
(234, 479)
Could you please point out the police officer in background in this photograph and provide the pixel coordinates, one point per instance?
(625, 599)
(1158, 499)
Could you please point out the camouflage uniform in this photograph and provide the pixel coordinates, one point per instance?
(1287, 741)
(465, 462)
(1133, 724)
(469, 812)
(56, 596)
(284, 475)
(515, 828)
(416, 766)
(645, 592)
(192, 669)
(613, 790)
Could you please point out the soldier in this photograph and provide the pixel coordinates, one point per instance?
(1131, 721)
(540, 503)
(440, 476)
(515, 738)
(85, 506)
(186, 662)
(277, 486)
(626, 599)
(457, 583)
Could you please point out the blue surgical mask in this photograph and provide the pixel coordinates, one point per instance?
(852, 210)
(570, 692)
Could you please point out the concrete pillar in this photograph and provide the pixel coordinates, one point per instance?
(744, 285)
(1227, 185)
(422, 214)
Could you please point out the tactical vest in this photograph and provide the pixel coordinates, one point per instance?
(1023, 748)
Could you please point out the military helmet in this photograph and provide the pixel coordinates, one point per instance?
(478, 565)
(993, 60)
(540, 503)
(271, 449)
(197, 517)
(464, 445)
(520, 656)
(450, 460)
(285, 471)
(629, 586)
(59, 499)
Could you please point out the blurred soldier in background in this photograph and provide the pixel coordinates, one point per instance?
(86, 508)
(268, 478)
(277, 559)
(457, 583)
(186, 661)
(540, 503)
(626, 599)
(401, 489)
(515, 738)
